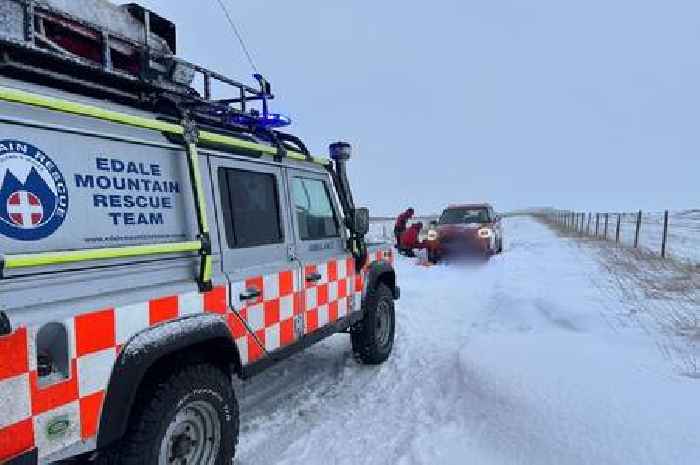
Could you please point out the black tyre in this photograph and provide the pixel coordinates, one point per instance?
(187, 417)
(499, 249)
(433, 257)
(373, 337)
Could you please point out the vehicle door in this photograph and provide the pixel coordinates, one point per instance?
(327, 269)
(256, 239)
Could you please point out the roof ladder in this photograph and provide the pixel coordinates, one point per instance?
(191, 137)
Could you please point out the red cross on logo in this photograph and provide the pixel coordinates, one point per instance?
(25, 209)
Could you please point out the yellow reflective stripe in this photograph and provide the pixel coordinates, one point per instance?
(61, 258)
(213, 138)
(81, 109)
(207, 268)
(65, 106)
(201, 202)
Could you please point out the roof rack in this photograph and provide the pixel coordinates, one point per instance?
(45, 45)
(191, 137)
(50, 46)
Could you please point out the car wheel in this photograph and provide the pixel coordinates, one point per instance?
(373, 337)
(189, 416)
(433, 257)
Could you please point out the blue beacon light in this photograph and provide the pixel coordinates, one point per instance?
(266, 120)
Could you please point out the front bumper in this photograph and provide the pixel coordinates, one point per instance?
(465, 245)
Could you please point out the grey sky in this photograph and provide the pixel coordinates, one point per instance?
(536, 102)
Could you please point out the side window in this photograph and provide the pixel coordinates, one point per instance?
(250, 204)
(314, 210)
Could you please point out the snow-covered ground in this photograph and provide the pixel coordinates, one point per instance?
(535, 357)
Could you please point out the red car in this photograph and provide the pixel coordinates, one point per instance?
(465, 230)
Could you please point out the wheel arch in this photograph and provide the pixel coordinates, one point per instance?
(382, 272)
(204, 337)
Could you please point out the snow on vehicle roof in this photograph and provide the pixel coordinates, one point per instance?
(470, 205)
(104, 13)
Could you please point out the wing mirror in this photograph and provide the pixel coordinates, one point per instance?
(359, 221)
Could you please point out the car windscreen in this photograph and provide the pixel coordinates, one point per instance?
(464, 215)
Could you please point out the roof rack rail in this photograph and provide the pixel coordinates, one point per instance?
(47, 45)
(191, 136)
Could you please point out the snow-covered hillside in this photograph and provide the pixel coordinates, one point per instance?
(532, 358)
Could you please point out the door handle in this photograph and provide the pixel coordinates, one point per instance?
(5, 326)
(250, 294)
(313, 277)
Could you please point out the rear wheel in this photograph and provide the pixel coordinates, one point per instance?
(433, 257)
(373, 337)
(185, 418)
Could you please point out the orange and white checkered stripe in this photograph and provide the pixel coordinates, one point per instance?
(383, 254)
(16, 425)
(330, 298)
(27, 406)
(270, 317)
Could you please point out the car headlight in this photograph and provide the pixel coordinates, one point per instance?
(433, 235)
(485, 233)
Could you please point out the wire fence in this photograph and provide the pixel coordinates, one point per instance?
(667, 233)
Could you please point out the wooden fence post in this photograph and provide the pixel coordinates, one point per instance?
(581, 216)
(665, 238)
(617, 231)
(606, 226)
(588, 226)
(636, 232)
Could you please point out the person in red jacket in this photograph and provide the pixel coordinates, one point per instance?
(409, 240)
(400, 225)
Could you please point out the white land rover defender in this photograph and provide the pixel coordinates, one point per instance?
(155, 243)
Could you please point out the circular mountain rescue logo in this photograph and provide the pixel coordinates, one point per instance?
(33, 192)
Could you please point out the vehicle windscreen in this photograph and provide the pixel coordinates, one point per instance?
(464, 216)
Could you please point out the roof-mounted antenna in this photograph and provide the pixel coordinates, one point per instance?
(267, 120)
(237, 33)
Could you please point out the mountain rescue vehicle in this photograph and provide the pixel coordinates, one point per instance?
(156, 242)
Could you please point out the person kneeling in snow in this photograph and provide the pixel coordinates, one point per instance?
(409, 240)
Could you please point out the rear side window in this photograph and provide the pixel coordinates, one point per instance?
(251, 210)
(314, 210)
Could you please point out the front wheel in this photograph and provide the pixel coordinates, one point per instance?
(433, 257)
(373, 337)
(189, 416)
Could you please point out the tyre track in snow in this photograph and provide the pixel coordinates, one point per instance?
(323, 407)
(510, 361)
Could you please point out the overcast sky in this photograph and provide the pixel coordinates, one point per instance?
(576, 104)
